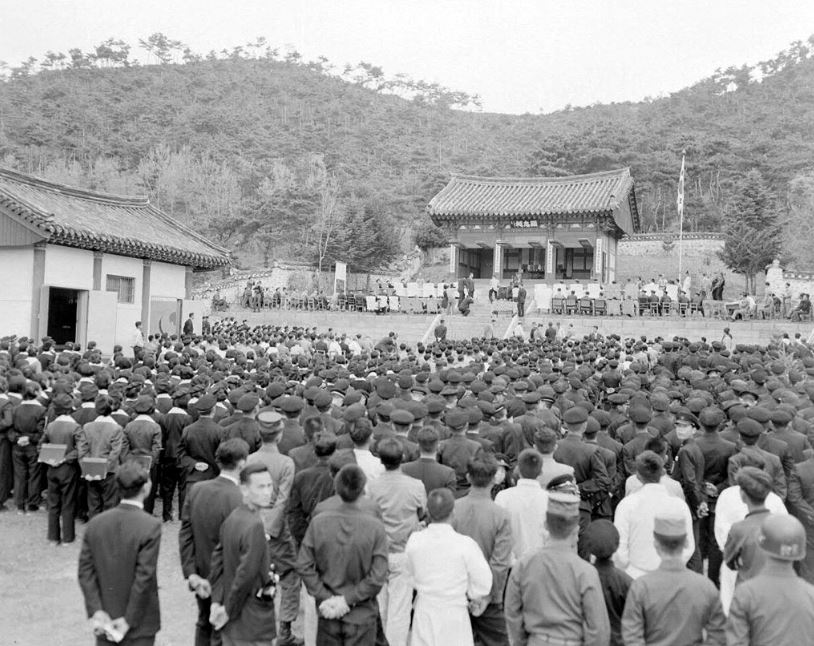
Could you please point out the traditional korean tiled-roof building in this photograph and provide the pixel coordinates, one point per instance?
(544, 227)
(86, 266)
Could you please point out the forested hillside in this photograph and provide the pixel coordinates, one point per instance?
(276, 157)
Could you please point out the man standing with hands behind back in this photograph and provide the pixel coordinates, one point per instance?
(117, 566)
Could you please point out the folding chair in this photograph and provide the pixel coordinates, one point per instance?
(586, 306)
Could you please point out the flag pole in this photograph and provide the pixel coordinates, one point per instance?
(680, 207)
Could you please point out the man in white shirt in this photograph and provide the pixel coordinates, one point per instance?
(635, 517)
(137, 341)
(546, 442)
(362, 437)
(526, 505)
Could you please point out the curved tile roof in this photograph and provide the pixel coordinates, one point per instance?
(468, 197)
(128, 226)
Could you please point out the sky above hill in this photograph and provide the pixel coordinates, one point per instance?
(518, 55)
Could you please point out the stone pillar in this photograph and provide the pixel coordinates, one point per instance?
(97, 270)
(497, 260)
(37, 282)
(146, 290)
(453, 259)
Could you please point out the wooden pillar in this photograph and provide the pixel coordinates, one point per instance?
(39, 304)
(97, 270)
(188, 284)
(146, 290)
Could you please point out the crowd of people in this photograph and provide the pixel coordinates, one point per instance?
(552, 490)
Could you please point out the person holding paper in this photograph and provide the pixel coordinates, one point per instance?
(63, 475)
(101, 438)
(117, 566)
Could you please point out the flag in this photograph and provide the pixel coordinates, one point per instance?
(680, 197)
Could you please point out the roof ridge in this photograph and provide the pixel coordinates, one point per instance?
(87, 194)
(620, 172)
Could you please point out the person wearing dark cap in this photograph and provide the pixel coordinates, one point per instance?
(602, 539)
(62, 473)
(426, 468)
(170, 472)
(102, 438)
(118, 564)
(246, 427)
(672, 602)
(798, 443)
(199, 443)
(775, 607)
(640, 423)
(448, 569)
(741, 552)
(716, 452)
(293, 435)
(206, 506)
(750, 432)
(457, 450)
(801, 504)
(142, 439)
(489, 525)
(29, 419)
(554, 596)
(343, 564)
(635, 516)
(280, 542)
(589, 467)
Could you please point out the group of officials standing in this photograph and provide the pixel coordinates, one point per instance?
(545, 492)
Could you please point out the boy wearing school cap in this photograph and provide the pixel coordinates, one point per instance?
(553, 596)
(62, 474)
(750, 432)
(775, 607)
(672, 600)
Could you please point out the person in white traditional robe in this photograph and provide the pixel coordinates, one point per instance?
(448, 569)
(730, 509)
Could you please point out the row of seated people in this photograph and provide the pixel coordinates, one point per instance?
(651, 304)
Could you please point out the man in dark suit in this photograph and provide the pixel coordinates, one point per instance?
(242, 599)
(189, 325)
(206, 506)
(521, 301)
(426, 467)
(199, 443)
(117, 565)
(589, 468)
(311, 486)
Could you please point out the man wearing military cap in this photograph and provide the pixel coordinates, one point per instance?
(199, 443)
(553, 596)
(457, 450)
(672, 601)
(246, 427)
(775, 607)
(589, 467)
(293, 434)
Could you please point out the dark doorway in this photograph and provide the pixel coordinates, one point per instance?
(62, 310)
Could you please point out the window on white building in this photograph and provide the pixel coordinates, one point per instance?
(124, 286)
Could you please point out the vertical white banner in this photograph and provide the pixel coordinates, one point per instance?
(340, 278)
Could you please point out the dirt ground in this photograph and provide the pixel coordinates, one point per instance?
(40, 598)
